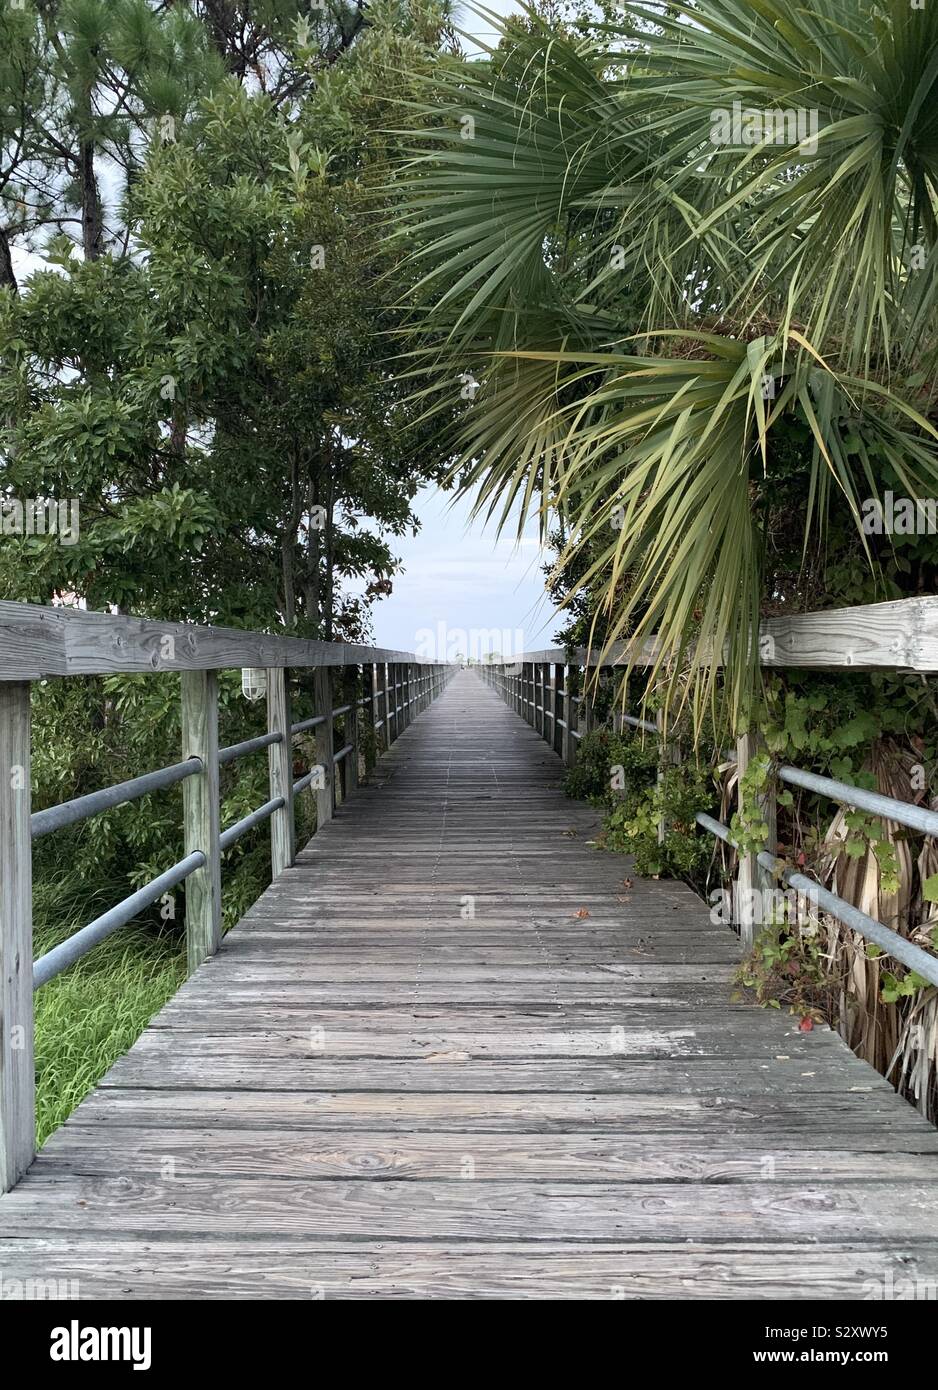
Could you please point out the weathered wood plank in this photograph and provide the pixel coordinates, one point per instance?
(226, 1268)
(39, 642)
(325, 746)
(201, 812)
(713, 1038)
(901, 634)
(17, 1085)
(593, 1157)
(710, 1076)
(280, 767)
(871, 1118)
(876, 1212)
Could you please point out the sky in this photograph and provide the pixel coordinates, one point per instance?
(464, 590)
(488, 593)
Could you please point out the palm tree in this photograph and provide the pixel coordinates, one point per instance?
(653, 247)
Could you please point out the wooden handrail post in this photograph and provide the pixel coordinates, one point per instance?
(325, 745)
(557, 706)
(391, 700)
(542, 688)
(753, 882)
(568, 743)
(668, 754)
(379, 695)
(370, 695)
(17, 1068)
(350, 761)
(201, 812)
(280, 764)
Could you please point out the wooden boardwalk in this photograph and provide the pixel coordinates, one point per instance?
(452, 1053)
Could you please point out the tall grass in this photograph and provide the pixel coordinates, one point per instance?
(91, 1014)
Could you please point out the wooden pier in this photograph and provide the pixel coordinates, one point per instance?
(455, 1052)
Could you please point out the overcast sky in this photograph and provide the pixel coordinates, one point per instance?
(459, 574)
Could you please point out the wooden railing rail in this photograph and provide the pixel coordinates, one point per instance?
(39, 643)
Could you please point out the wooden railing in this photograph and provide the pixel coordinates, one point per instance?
(39, 643)
(900, 636)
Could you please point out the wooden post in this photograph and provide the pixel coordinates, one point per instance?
(668, 753)
(385, 705)
(752, 880)
(280, 764)
(382, 696)
(568, 743)
(350, 761)
(17, 1068)
(201, 815)
(370, 695)
(391, 701)
(557, 706)
(543, 723)
(325, 745)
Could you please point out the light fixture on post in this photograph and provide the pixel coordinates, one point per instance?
(253, 682)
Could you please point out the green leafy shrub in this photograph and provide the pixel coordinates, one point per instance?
(619, 771)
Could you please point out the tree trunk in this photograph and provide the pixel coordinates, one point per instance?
(289, 582)
(330, 570)
(91, 230)
(7, 275)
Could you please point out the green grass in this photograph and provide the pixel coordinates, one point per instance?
(91, 1014)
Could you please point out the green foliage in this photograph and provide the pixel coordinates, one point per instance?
(787, 966)
(747, 826)
(628, 287)
(621, 773)
(601, 754)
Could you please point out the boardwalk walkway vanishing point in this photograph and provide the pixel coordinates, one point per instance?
(453, 1052)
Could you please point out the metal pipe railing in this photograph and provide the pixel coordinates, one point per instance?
(81, 942)
(305, 724)
(82, 807)
(902, 812)
(234, 833)
(873, 930)
(250, 745)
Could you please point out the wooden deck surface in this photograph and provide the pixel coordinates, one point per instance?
(418, 1069)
